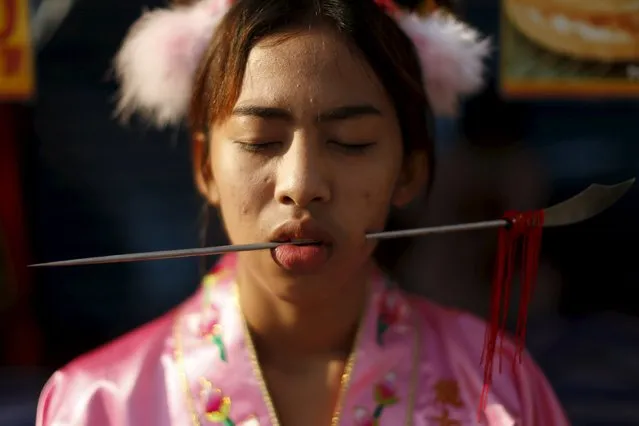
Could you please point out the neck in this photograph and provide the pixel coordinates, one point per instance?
(289, 334)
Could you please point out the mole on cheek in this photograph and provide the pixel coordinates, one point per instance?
(244, 210)
(242, 199)
(367, 197)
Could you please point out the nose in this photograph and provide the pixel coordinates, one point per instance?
(302, 176)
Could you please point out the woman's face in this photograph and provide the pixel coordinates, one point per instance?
(312, 150)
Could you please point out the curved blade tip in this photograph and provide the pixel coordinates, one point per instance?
(621, 188)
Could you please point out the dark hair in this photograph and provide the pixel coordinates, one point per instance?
(382, 43)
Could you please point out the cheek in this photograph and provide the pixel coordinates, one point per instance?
(376, 203)
(367, 195)
(243, 193)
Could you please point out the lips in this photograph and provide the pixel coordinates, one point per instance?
(295, 231)
(309, 250)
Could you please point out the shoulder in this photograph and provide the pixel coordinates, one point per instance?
(456, 339)
(448, 329)
(453, 323)
(93, 388)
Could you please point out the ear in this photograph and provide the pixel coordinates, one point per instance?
(412, 179)
(203, 173)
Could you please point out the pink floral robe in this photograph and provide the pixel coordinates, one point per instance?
(415, 363)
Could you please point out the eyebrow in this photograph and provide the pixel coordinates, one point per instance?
(341, 113)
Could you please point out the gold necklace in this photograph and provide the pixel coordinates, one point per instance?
(344, 381)
(255, 366)
(257, 370)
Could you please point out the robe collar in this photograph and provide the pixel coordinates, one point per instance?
(222, 379)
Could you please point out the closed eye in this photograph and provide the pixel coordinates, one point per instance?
(352, 148)
(257, 147)
(265, 147)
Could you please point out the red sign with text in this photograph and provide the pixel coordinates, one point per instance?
(16, 57)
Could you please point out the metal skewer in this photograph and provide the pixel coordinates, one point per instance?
(590, 202)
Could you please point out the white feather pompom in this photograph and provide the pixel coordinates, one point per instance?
(452, 56)
(158, 59)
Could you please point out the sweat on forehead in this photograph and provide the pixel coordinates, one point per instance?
(317, 65)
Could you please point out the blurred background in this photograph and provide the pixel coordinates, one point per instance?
(76, 183)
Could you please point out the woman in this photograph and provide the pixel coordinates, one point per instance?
(310, 121)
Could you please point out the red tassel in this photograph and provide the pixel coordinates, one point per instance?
(523, 233)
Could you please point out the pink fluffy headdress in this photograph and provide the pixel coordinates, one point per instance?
(158, 59)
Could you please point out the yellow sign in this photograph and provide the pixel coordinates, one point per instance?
(570, 48)
(16, 58)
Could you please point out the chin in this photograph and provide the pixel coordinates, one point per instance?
(309, 288)
(305, 289)
(594, 30)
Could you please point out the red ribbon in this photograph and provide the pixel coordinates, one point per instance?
(523, 234)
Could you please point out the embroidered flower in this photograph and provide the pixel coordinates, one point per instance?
(392, 310)
(364, 418)
(385, 393)
(211, 330)
(210, 281)
(447, 392)
(215, 404)
(217, 407)
(209, 322)
(216, 278)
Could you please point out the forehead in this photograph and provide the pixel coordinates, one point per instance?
(312, 66)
